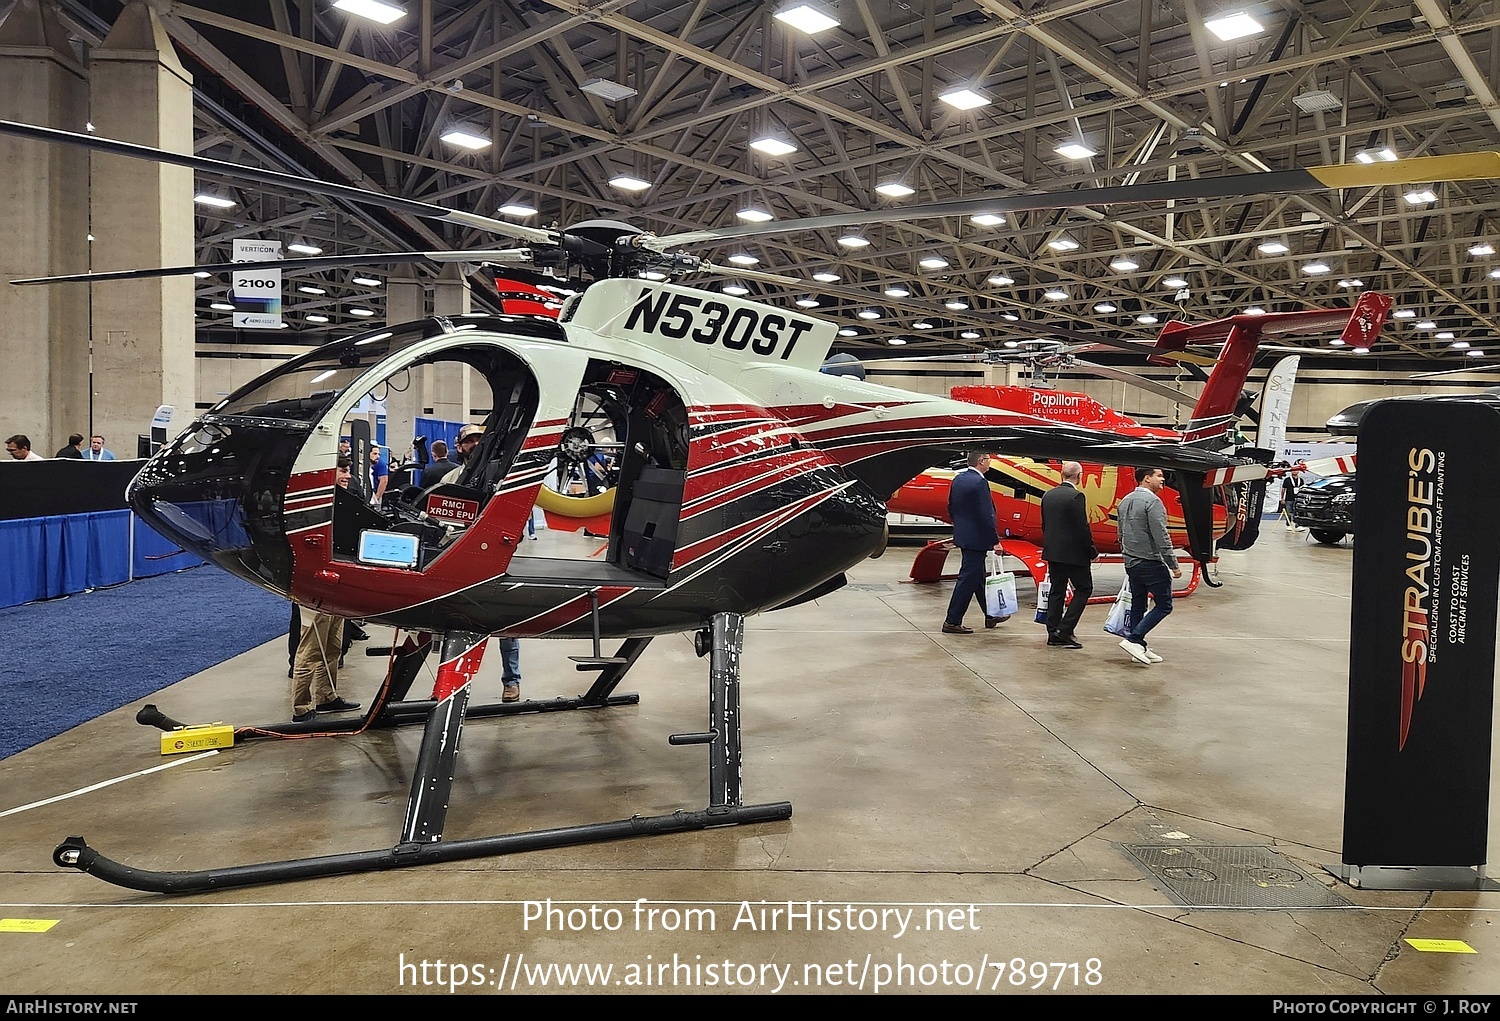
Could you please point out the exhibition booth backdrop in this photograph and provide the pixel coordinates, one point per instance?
(65, 527)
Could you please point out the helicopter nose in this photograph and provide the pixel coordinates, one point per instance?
(218, 491)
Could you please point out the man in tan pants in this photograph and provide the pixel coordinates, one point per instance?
(315, 670)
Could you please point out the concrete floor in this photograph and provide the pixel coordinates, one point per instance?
(985, 782)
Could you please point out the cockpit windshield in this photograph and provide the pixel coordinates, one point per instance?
(304, 388)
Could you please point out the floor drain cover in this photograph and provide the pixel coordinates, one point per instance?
(855, 586)
(1217, 876)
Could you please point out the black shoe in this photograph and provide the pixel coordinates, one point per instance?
(1064, 642)
(304, 717)
(360, 635)
(338, 705)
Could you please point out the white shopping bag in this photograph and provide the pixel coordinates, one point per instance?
(1118, 621)
(1000, 594)
(1043, 592)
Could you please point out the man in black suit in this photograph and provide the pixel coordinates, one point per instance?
(440, 466)
(972, 511)
(1068, 548)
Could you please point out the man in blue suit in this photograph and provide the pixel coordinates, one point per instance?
(972, 512)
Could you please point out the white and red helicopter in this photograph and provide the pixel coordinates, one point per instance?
(748, 481)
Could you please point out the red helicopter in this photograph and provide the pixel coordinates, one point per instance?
(1017, 484)
(748, 481)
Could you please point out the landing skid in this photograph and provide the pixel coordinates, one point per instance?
(421, 840)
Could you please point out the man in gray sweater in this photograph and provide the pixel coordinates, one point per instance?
(1150, 561)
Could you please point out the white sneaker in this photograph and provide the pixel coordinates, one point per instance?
(1136, 650)
(1153, 657)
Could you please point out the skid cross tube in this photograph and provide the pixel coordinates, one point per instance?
(421, 840)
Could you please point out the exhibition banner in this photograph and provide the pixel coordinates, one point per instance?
(1422, 635)
(256, 289)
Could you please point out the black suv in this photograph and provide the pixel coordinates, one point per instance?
(1326, 508)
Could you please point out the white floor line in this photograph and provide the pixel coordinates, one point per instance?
(109, 783)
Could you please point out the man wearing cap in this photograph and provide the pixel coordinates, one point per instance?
(468, 439)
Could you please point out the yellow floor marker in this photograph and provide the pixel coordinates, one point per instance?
(1442, 946)
(26, 924)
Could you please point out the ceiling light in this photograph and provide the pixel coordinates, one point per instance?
(752, 215)
(465, 139)
(1482, 249)
(610, 92)
(366, 281)
(741, 259)
(653, 274)
(1055, 294)
(1062, 244)
(383, 11)
(625, 182)
(848, 331)
(302, 249)
(1317, 101)
(1444, 335)
(1010, 317)
(1426, 324)
(1075, 151)
(933, 262)
(311, 290)
(1476, 354)
(1421, 196)
(1351, 283)
(1174, 282)
(316, 319)
(1255, 310)
(203, 274)
(1459, 345)
(898, 291)
(735, 289)
(896, 341)
(517, 209)
(217, 201)
(964, 99)
(826, 278)
(1314, 268)
(895, 189)
(1105, 307)
(868, 313)
(1495, 273)
(1001, 280)
(969, 335)
(1403, 313)
(1361, 350)
(922, 324)
(1272, 248)
(854, 241)
(220, 306)
(806, 17)
(807, 303)
(362, 312)
(1385, 154)
(1124, 265)
(1147, 320)
(1336, 342)
(955, 304)
(987, 219)
(773, 146)
(1233, 26)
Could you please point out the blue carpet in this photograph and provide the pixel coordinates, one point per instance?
(66, 661)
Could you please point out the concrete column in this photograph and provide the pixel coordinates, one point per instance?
(44, 224)
(142, 216)
(405, 302)
(440, 391)
(451, 386)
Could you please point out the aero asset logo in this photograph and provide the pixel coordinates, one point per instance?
(1423, 553)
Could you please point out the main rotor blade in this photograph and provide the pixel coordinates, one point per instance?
(1449, 372)
(294, 181)
(1160, 389)
(1417, 170)
(502, 256)
(749, 274)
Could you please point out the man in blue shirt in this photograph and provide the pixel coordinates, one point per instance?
(379, 476)
(96, 451)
